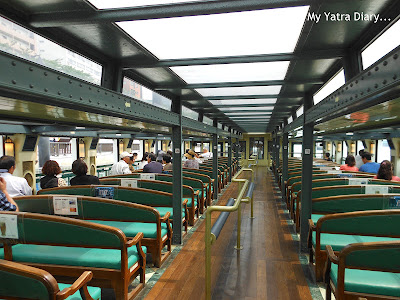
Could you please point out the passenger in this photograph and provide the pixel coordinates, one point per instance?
(80, 168)
(206, 154)
(191, 162)
(349, 164)
(6, 202)
(51, 169)
(386, 171)
(327, 156)
(169, 152)
(153, 166)
(16, 186)
(368, 166)
(143, 162)
(122, 167)
(167, 162)
(133, 165)
(359, 161)
(160, 155)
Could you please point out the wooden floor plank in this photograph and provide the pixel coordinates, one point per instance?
(267, 268)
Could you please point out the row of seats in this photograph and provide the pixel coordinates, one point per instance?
(354, 237)
(109, 230)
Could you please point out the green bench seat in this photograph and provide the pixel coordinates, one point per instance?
(93, 291)
(72, 256)
(369, 282)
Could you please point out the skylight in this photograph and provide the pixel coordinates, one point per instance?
(247, 113)
(300, 111)
(244, 108)
(290, 120)
(241, 91)
(389, 40)
(229, 34)
(332, 85)
(243, 102)
(107, 4)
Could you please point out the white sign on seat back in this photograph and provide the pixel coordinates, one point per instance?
(148, 176)
(334, 172)
(65, 205)
(357, 181)
(376, 189)
(8, 226)
(129, 182)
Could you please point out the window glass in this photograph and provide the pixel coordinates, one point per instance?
(105, 151)
(207, 121)
(389, 40)
(319, 150)
(345, 151)
(360, 146)
(21, 42)
(187, 112)
(300, 111)
(332, 85)
(139, 92)
(383, 151)
(256, 147)
(240, 91)
(242, 102)
(290, 120)
(333, 154)
(297, 150)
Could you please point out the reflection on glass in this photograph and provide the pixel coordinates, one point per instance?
(17, 40)
(256, 147)
(139, 92)
(107, 4)
(207, 121)
(187, 112)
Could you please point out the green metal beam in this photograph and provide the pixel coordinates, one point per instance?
(67, 18)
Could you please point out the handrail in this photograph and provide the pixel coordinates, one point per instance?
(211, 238)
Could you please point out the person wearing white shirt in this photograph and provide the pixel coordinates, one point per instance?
(206, 154)
(359, 161)
(16, 186)
(122, 167)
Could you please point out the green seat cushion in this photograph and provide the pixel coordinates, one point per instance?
(72, 256)
(339, 241)
(189, 203)
(315, 218)
(131, 229)
(369, 282)
(95, 292)
(164, 210)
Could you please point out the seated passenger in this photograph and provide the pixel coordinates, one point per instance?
(51, 169)
(133, 165)
(153, 166)
(358, 158)
(160, 155)
(386, 171)
(80, 168)
(6, 202)
(16, 186)
(143, 162)
(349, 164)
(368, 166)
(206, 154)
(327, 156)
(122, 167)
(191, 162)
(167, 162)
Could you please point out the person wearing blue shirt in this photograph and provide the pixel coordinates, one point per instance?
(368, 166)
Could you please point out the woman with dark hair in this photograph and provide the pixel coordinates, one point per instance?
(386, 171)
(349, 164)
(80, 168)
(51, 169)
(143, 162)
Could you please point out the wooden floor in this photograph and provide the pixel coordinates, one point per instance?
(267, 268)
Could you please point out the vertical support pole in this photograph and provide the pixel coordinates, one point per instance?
(44, 150)
(278, 143)
(177, 174)
(285, 155)
(351, 64)
(306, 175)
(230, 154)
(215, 159)
(112, 77)
(207, 237)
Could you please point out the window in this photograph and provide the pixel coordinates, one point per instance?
(187, 112)
(297, 150)
(300, 111)
(42, 51)
(319, 150)
(345, 151)
(360, 146)
(290, 120)
(256, 148)
(389, 40)
(383, 151)
(328, 88)
(207, 121)
(139, 92)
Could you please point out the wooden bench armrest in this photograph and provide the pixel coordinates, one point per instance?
(197, 193)
(135, 240)
(184, 203)
(212, 180)
(166, 217)
(311, 224)
(331, 255)
(81, 282)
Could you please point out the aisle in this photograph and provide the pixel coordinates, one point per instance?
(268, 267)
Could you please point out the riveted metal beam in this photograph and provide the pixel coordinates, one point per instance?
(13, 129)
(67, 18)
(377, 84)
(240, 84)
(196, 125)
(128, 63)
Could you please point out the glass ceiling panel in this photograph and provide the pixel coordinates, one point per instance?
(332, 85)
(243, 102)
(244, 108)
(240, 91)
(233, 72)
(242, 33)
(107, 4)
(247, 113)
